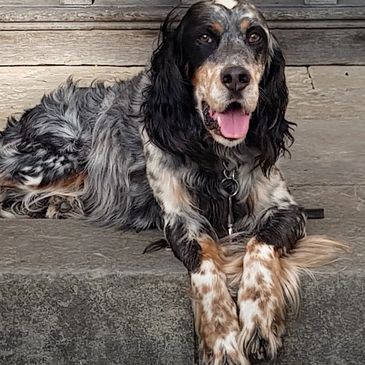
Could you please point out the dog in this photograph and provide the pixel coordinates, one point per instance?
(189, 146)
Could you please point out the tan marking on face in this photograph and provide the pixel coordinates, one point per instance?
(217, 27)
(208, 86)
(245, 23)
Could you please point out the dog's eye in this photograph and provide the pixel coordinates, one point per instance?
(205, 38)
(254, 38)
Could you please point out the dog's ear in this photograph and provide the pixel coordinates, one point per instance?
(271, 132)
(170, 116)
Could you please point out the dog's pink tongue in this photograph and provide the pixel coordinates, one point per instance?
(233, 123)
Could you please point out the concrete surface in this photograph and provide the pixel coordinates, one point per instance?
(74, 294)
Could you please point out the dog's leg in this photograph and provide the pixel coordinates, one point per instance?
(264, 288)
(261, 301)
(59, 199)
(43, 155)
(193, 241)
(215, 312)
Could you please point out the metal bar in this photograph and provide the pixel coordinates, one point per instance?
(320, 2)
(76, 2)
(315, 213)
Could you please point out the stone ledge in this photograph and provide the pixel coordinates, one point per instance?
(74, 294)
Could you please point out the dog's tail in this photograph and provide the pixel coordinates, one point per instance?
(311, 255)
(313, 252)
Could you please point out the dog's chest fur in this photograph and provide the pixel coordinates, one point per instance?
(212, 199)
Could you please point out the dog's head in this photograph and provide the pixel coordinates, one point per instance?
(220, 73)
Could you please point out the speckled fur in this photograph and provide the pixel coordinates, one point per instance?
(139, 155)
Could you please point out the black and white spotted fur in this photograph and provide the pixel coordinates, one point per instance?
(145, 153)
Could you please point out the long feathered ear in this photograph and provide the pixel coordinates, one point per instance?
(271, 132)
(171, 119)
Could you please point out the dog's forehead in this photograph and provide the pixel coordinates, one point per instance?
(232, 15)
(232, 4)
(226, 14)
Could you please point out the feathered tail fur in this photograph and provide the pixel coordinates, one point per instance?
(311, 253)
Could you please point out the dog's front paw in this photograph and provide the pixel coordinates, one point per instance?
(261, 303)
(260, 337)
(216, 319)
(222, 350)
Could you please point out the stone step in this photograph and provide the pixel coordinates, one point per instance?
(74, 294)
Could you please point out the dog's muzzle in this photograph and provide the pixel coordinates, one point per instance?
(232, 123)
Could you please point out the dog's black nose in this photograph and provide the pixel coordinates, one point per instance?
(235, 78)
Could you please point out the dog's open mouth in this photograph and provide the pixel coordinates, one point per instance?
(232, 123)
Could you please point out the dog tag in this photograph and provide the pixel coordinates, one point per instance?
(231, 187)
(230, 217)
